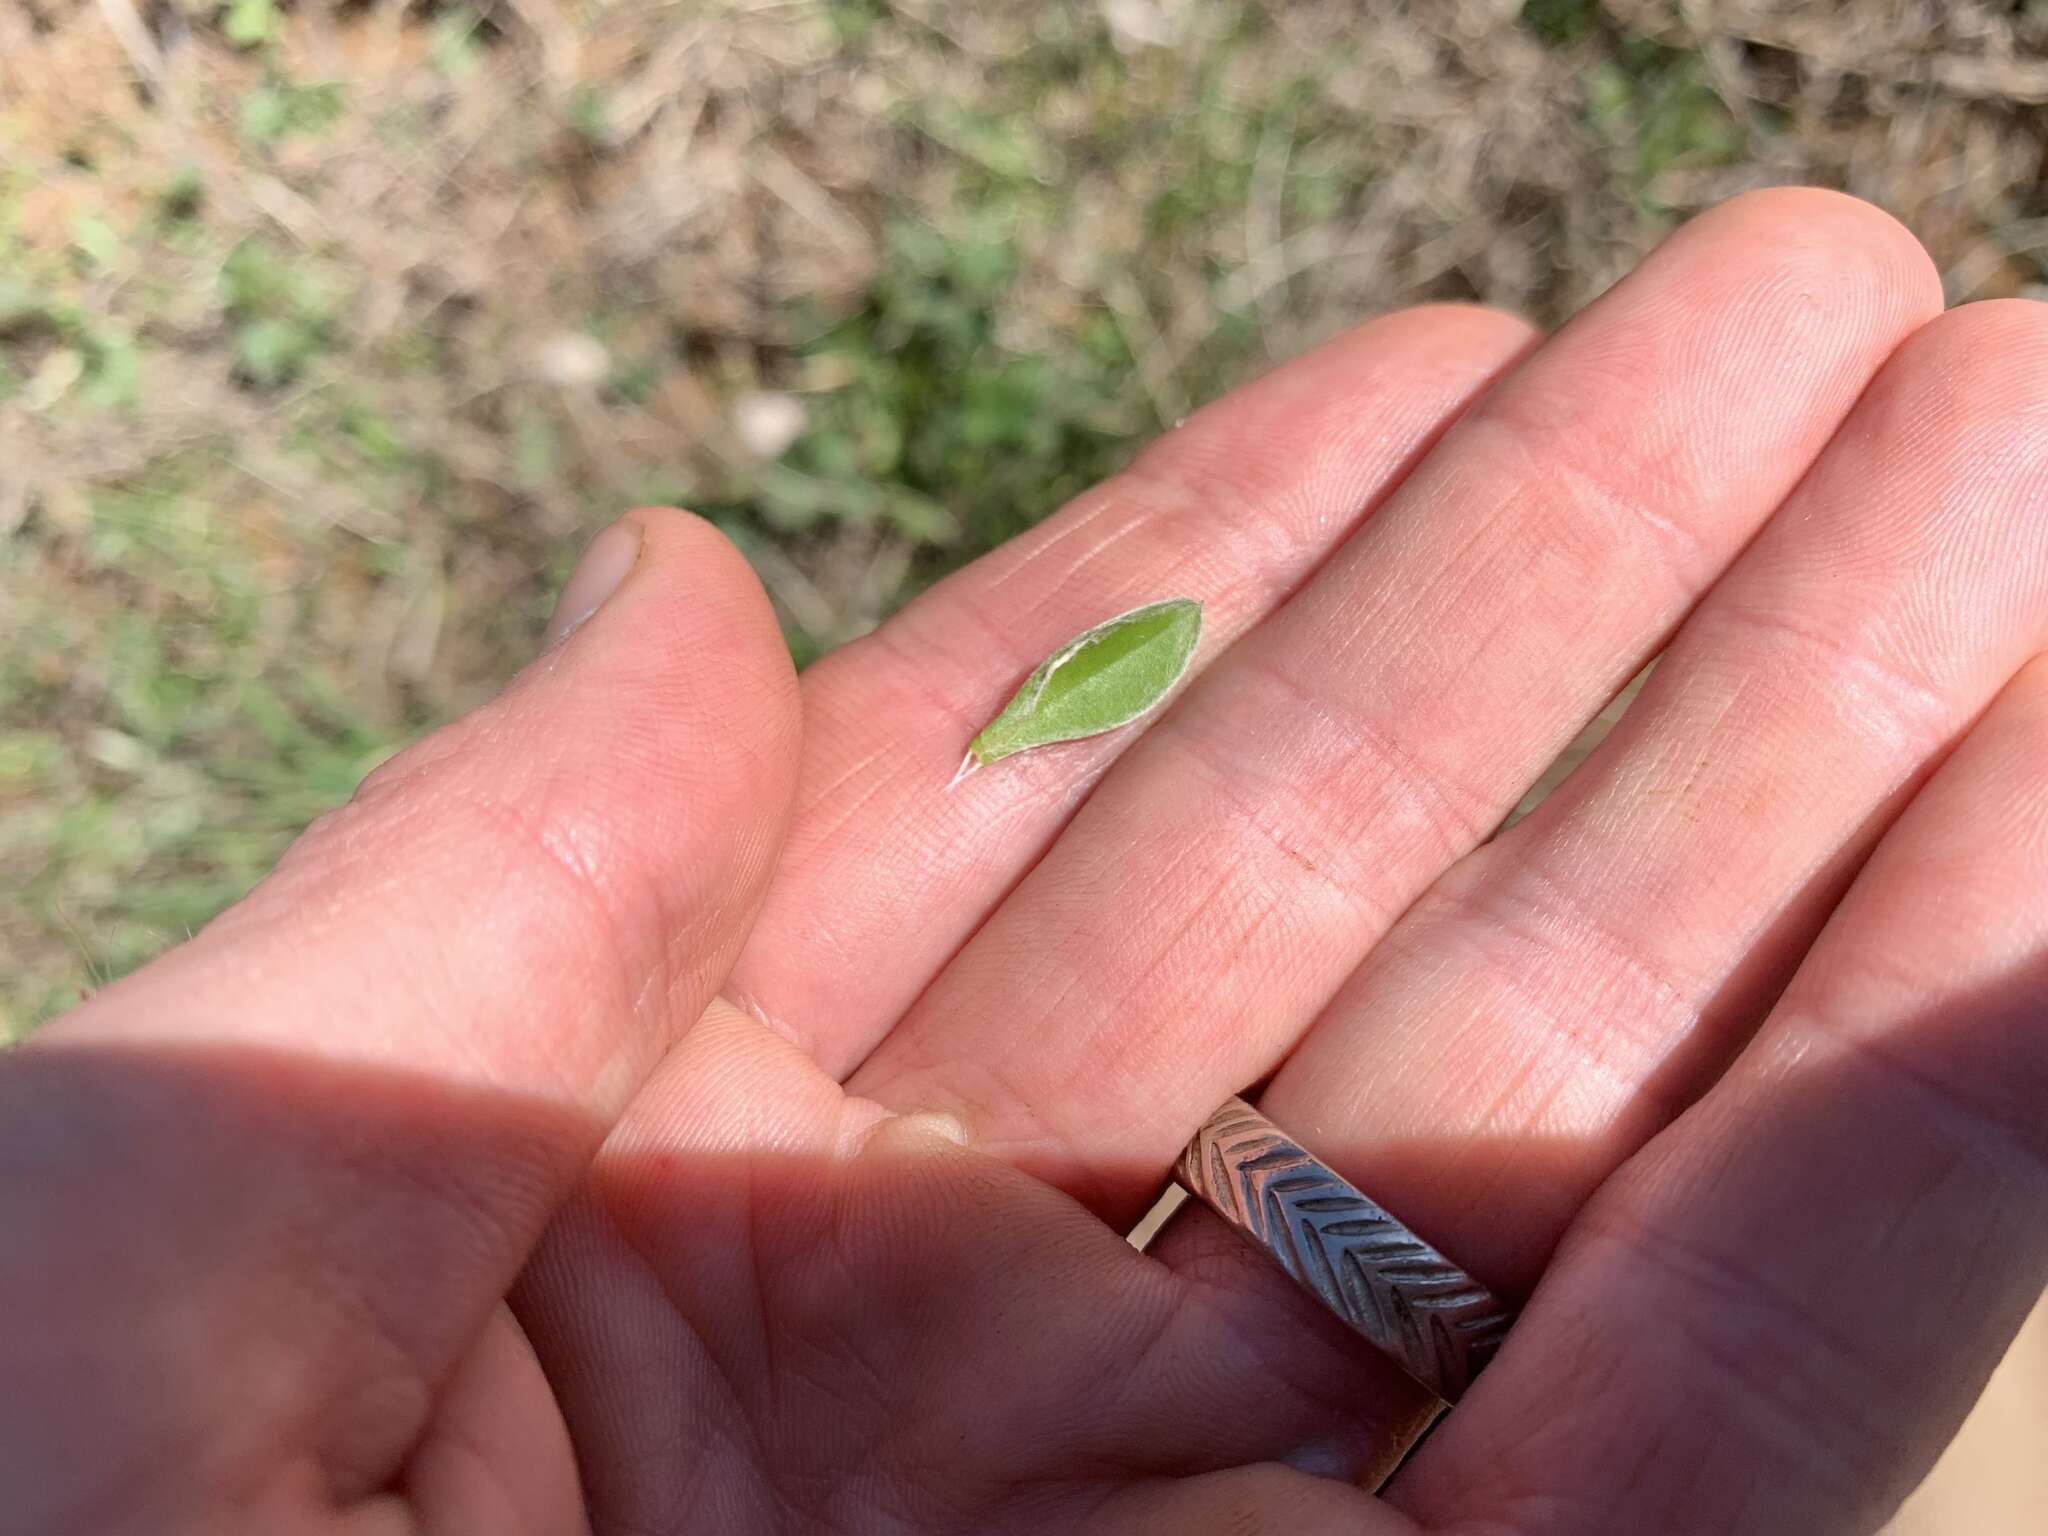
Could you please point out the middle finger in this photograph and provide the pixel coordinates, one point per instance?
(1242, 857)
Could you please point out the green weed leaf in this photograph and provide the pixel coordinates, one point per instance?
(249, 23)
(1099, 680)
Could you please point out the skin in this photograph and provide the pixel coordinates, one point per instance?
(655, 1105)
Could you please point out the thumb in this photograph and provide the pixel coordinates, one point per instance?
(537, 897)
(324, 1133)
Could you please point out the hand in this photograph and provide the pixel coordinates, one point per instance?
(636, 1113)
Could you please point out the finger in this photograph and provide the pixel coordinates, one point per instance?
(1240, 860)
(332, 1124)
(1784, 1307)
(537, 895)
(884, 875)
(1587, 974)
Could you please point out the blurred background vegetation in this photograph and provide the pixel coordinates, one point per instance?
(330, 331)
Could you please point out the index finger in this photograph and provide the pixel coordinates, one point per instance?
(883, 876)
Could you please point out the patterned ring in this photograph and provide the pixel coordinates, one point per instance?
(1437, 1322)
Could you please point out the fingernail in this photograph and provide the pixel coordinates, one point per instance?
(597, 575)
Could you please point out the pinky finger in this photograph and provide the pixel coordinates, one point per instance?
(1775, 1317)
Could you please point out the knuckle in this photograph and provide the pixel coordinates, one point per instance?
(537, 850)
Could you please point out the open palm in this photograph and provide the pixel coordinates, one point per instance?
(659, 1104)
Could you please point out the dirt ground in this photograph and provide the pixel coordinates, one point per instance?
(328, 331)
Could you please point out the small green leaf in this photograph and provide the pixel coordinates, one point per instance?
(1103, 678)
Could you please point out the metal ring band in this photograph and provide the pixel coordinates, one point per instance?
(1437, 1322)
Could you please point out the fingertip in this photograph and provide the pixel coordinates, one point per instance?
(692, 607)
(1956, 428)
(1819, 242)
(585, 853)
(674, 532)
(675, 546)
(1991, 356)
